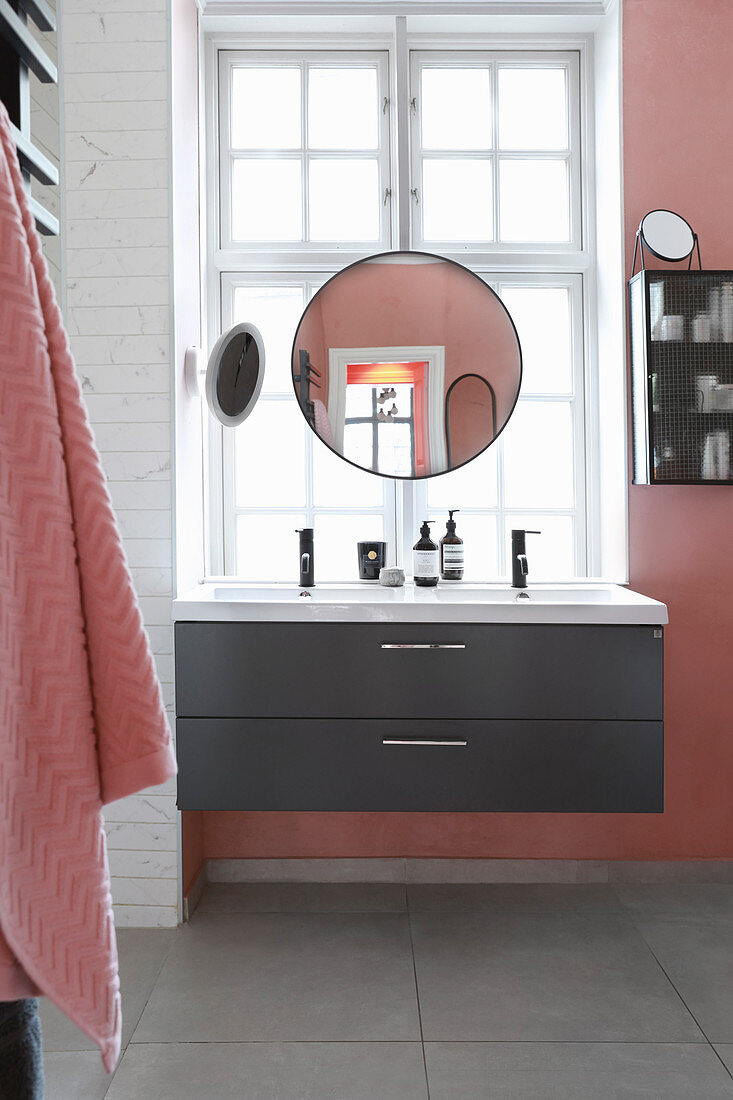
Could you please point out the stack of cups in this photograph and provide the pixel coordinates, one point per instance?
(716, 456)
(726, 313)
(714, 311)
(701, 329)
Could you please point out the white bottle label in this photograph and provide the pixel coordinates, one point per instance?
(452, 555)
(425, 563)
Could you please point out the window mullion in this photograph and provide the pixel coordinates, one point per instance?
(494, 85)
(305, 166)
(403, 124)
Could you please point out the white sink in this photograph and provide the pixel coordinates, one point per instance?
(331, 594)
(588, 602)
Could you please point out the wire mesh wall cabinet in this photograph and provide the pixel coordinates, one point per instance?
(682, 377)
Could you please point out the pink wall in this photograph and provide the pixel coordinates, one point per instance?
(678, 153)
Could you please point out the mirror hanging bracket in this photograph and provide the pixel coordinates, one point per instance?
(306, 380)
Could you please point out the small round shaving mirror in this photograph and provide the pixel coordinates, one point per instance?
(667, 236)
(235, 373)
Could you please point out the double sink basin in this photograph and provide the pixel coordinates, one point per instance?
(454, 603)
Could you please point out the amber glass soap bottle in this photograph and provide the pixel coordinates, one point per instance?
(451, 551)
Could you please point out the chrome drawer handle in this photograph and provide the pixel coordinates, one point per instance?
(454, 744)
(423, 645)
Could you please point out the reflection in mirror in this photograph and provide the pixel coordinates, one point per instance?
(406, 364)
(470, 398)
(667, 235)
(235, 373)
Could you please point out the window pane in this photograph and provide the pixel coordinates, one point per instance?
(457, 200)
(538, 455)
(532, 109)
(335, 544)
(338, 484)
(344, 200)
(266, 108)
(534, 202)
(270, 456)
(359, 401)
(395, 450)
(343, 110)
(456, 109)
(542, 318)
(472, 486)
(358, 444)
(550, 554)
(266, 200)
(479, 547)
(275, 311)
(267, 547)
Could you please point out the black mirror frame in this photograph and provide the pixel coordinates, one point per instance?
(432, 256)
(244, 328)
(641, 243)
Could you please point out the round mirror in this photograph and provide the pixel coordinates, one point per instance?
(667, 235)
(235, 373)
(406, 364)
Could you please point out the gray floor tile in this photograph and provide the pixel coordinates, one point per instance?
(575, 1071)
(673, 900)
(59, 1033)
(280, 976)
(141, 952)
(271, 1071)
(697, 954)
(726, 1053)
(75, 1075)
(512, 897)
(303, 897)
(542, 977)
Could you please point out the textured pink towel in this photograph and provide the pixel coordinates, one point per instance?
(323, 424)
(81, 716)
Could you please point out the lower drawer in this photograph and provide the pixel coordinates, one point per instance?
(365, 764)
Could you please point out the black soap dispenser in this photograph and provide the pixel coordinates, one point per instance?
(451, 551)
(425, 558)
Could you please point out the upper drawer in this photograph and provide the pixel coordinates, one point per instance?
(450, 670)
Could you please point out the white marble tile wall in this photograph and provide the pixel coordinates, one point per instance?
(117, 256)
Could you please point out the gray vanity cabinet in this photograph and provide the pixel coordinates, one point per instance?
(363, 716)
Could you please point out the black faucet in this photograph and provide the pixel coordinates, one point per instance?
(305, 557)
(519, 557)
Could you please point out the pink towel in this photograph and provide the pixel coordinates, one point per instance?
(323, 424)
(81, 716)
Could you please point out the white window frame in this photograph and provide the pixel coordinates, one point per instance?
(229, 60)
(574, 261)
(495, 60)
(577, 400)
(311, 281)
(434, 356)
